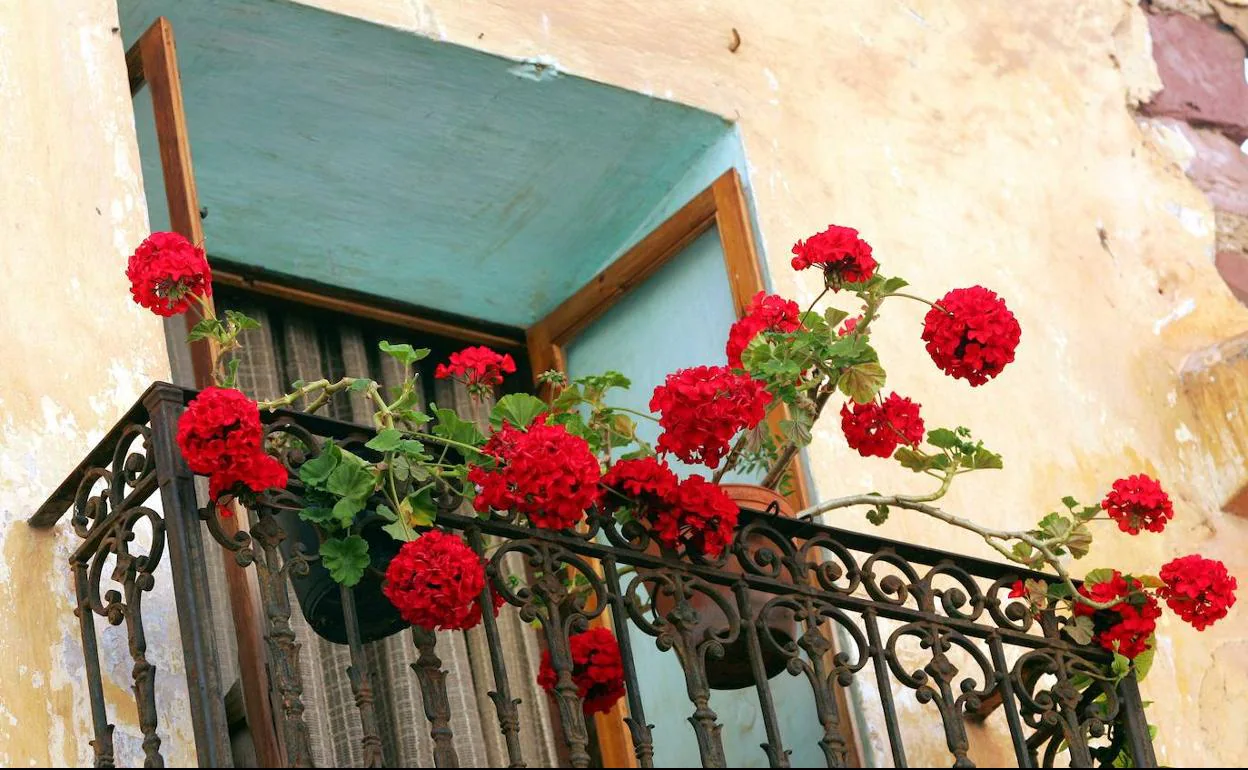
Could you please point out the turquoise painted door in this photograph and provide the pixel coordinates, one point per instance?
(679, 318)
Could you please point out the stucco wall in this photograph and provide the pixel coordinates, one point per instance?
(74, 353)
(971, 142)
(974, 142)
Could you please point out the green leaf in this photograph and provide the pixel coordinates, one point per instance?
(1080, 629)
(414, 450)
(205, 329)
(1069, 502)
(1059, 591)
(519, 409)
(984, 459)
(386, 440)
(1022, 551)
(797, 431)
(1121, 664)
(448, 425)
(346, 559)
(878, 515)
(1144, 661)
(406, 354)
(862, 381)
(241, 321)
(913, 459)
(385, 512)
(833, 316)
(894, 284)
(419, 509)
(1098, 576)
(316, 471)
(1079, 541)
(360, 385)
(944, 438)
(400, 468)
(1149, 581)
(411, 416)
(352, 478)
(345, 509)
(317, 515)
(399, 531)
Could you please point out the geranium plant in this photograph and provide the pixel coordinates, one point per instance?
(547, 462)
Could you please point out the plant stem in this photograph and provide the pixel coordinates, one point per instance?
(776, 472)
(994, 537)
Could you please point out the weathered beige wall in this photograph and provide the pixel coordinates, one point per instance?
(74, 353)
(974, 142)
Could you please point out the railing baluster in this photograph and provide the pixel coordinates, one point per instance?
(144, 672)
(103, 743)
(282, 644)
(190, 580)
(639, 729)
(1136, 723)
(1022, 753)
(432, 678)
(504, 704)
(361, 686)
(885, 686)
(777, 756)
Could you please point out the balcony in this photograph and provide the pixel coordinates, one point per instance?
(834, 608)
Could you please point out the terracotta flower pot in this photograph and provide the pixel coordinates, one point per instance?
(733, 670)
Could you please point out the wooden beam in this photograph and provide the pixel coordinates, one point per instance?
(631, 269)
(153, 61)
(364, 310)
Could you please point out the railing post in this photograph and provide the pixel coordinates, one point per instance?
(1136, 723)
(190, 580)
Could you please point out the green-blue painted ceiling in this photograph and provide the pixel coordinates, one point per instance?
(369, 158)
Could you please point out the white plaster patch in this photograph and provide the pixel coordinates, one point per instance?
(1184, 435)
(1172, 398)
(1192, 220)
(772, 82)
(1184, 309)
(537, 68)
(922, 22)
(545, 24)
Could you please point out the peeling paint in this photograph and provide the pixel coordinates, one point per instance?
(537, 68)
(1185, 308)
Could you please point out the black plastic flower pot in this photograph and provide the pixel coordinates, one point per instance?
(319, 596)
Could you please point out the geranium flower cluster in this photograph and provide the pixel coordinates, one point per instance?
(971, 334)
(877, 428)
(1199, 590)
(703, 407)
(166, 271)
(597, 670)
(435, 581)
(1138, 502)
(694, 515)
(220, 436)
(843, 256)
(1124, 627)
(542, 472)
(479, 368)
(767, 313)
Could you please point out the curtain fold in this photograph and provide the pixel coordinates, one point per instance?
(298, 345)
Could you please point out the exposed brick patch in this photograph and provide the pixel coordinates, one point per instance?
(1219, 168)
(1202, 72)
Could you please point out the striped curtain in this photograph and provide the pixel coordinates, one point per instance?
(300, 344)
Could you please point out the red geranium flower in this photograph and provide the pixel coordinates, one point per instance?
(479, 368)
(435, 581)
(254, 472)
(1199, 590)
(700, 517)
(1018, 590)
(219, 426)
(543, 472)
(767, 312)
(644, 484)
(849, 326)
(1127, 625)
(876, 429)
(844, 257)
(165, 271)
(702, 408)
(1138, 502)
(597, 669)
(971, 334)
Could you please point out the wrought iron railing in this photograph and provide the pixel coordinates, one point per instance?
(793, 582)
